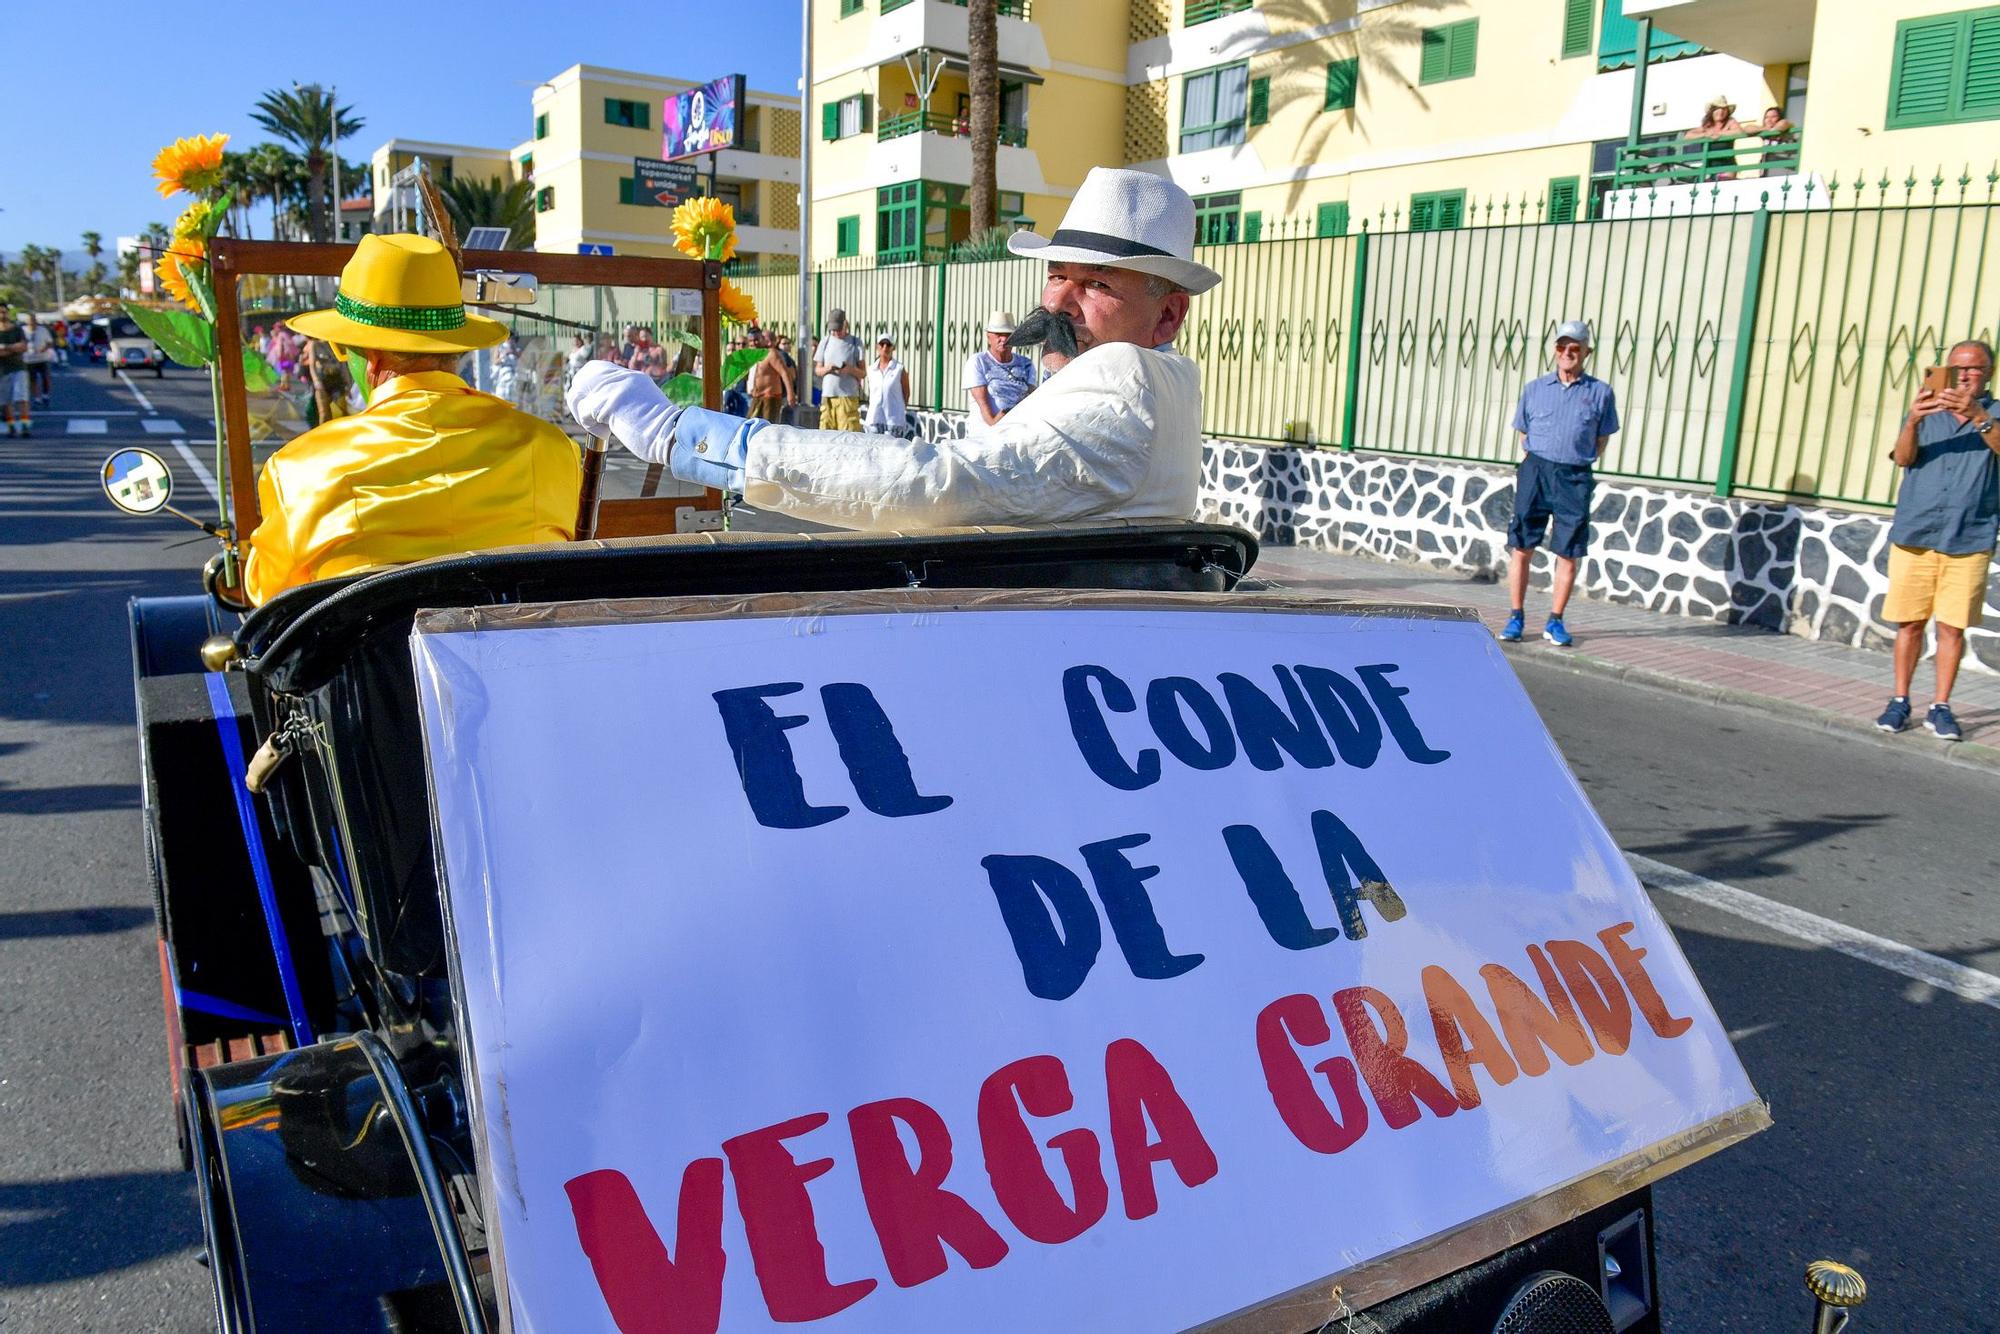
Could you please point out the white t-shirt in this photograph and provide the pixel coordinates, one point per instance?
(838, 350)
(886, 408)
(41, 347)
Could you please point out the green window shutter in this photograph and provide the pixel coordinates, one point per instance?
(1981, 99)
(1449, 52)
(542, 126)
(849, 7)
(1253, 226)
(626, 194)
(1451, 210)
(1436, 55)
(847, 236)
(1576, 27)
(1920, 77)
(1464, 49)
(1343, 78)
(1260, 101)
(829, 121)
(1562, 199)
(1423, 213)
(1331, 219)
(642, 115)
(867, 108)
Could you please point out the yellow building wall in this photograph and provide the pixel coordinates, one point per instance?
(826, 216)
(1847, 104)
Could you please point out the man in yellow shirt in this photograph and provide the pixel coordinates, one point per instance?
(432, 467)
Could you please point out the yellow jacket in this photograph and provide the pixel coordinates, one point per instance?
(432, 468)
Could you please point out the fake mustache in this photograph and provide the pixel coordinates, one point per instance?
(1046, 326)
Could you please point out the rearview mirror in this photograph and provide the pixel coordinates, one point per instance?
(491, 287)
(137, 481)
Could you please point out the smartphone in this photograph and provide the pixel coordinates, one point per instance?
(1937, 379)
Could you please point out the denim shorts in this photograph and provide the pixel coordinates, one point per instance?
(1545, 490)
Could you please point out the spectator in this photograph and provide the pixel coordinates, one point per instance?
(1775, 127)
(1941, 540)
(579, 357)
(770, 383)
(997, 378)
(329, 378)
(838, 364)
(1564, 420)
(1718, 124)
(15, 408)
(888, 391)
(40, 358)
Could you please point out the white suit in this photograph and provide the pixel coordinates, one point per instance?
(1117, 435)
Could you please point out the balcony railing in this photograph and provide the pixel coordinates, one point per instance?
(1017, 9)
(936, 122)
(1692, 161)
(1201, 11)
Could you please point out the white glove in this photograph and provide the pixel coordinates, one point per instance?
(609, 400)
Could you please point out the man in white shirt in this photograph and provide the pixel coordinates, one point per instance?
(1116, 436)
(838, 364)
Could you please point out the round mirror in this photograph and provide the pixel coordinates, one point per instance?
(137, 481)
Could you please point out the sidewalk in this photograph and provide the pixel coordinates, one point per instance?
(1827, 684)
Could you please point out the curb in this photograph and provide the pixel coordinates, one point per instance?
(1971, 754)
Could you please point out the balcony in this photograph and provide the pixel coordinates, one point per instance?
(1694, 161)
(936, 122)
(1014, 9)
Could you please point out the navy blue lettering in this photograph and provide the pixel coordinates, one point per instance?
(1271, 890)
(1264, 728)
(1093, 738)
(1163, 710)
(875, 760)
(1389, 703)
(1340, 853)
(1122, 888)
(764, 760)
(1350, 720)
(1056, 953)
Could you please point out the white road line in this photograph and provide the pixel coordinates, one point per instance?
(1946, 975)
(87, 426)
(126, 380)
(87, 412)
(201, 473)
(162, 426)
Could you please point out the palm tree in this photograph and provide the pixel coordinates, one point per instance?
(274, 173)
(479, 201)
(982, 48)
(93, 245)
(93, 277)
(307, 118)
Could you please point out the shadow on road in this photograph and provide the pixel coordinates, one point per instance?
(69, 800)
(1756, 851)
(60, 1231)
(33, 924)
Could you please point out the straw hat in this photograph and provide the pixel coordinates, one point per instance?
(1720, 100)
(1125, 219)
(400, 293)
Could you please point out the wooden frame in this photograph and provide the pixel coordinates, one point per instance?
(233, 258)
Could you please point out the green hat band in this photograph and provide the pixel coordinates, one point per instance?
(418, 319)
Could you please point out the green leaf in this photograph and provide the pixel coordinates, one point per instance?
(259, 375)
(683, 389)
(218, 209)
(201, 288)
(186, 338)
(357, 366)
(740, 361)
(681, 336)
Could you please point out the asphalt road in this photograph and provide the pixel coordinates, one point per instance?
(1884, 1151)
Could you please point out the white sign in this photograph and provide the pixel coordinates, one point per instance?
(1103, 967)
(683, 301)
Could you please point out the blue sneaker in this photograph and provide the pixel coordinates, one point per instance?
(1556, 634)
(1511, 632)
(1897, 716)
(1943, 726)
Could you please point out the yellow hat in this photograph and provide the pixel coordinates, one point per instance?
(400, 293)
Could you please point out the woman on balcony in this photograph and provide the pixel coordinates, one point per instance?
(1718, 125)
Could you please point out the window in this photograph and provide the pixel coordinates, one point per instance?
(633, 115)
(847, 235)
(1213, 105)
(1331, 219)
(1438, 211)
(1576, 27)
(849, 7)
(1343, 80)
(845, 118)
(1796, 78)
(1946, 70)
(528, 167)
(628, 190)
(1253, 226)
(899, 233)
(1201, 11)
(1562, 200)
(542, 126)
(1215, 218)
(1450, 52)
(545, 199)
(1260, 101)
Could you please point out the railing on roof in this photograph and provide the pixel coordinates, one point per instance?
(1692, 161)
(936, 122)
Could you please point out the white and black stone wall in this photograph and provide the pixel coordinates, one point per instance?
(1805, 570)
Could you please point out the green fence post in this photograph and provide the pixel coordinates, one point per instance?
(937, 341)
(1739, 367)
(1350, 402)
(819, 306)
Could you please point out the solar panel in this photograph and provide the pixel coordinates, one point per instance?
(486, 238)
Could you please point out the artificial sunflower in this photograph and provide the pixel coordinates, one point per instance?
(189, 222)
(705, 229)
(170, 266)
(737, 307)
(192, 165)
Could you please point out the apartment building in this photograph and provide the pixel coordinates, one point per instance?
(590, 124)
(446, 161)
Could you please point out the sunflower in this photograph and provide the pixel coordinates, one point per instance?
(191, 165)
(705, 229)
(170, 267)
(737, 307)
(188, 224)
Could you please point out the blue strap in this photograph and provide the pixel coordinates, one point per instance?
(222, 1009)
(260, 865)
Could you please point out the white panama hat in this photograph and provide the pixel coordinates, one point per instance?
(1000, 321)
(1125, 220)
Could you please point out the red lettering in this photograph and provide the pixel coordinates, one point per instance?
(1139, 1089)
(1531, 1025)
(1397, 1081)
(1625, 958)
(1298, 1019)
(915, 1217)
(777, 1213)
(647, 1290)
(1038, 1086)
(1597, 993)
(1464, 1037)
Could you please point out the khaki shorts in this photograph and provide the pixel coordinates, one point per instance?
(840, 414)
(1926, 585)
(767, 407)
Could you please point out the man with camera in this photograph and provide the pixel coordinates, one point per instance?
(1947, 513)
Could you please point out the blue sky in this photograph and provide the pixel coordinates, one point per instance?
(91, 103)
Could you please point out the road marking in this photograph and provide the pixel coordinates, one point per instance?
(87, 426)
(1971, 984)
(88, 412)
(201, 473)
(144, 402)
(162, 426)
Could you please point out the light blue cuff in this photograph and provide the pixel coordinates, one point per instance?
(710, 448)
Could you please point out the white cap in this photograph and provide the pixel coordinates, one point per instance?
(1576, 331)
(885, 337)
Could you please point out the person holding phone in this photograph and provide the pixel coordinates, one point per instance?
(1947, 515)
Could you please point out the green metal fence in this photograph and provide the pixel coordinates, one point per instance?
(1764, 335)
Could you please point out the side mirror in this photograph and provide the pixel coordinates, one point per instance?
(138, 481)
(491, 287)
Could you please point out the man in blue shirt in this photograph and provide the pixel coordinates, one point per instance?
(997, 378)
(1564, 420)
(1941, 541)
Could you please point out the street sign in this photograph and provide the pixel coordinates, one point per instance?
(587, 248)
(662, 184)
(1182, 954)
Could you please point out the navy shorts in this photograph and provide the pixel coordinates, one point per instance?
(1544, 490)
